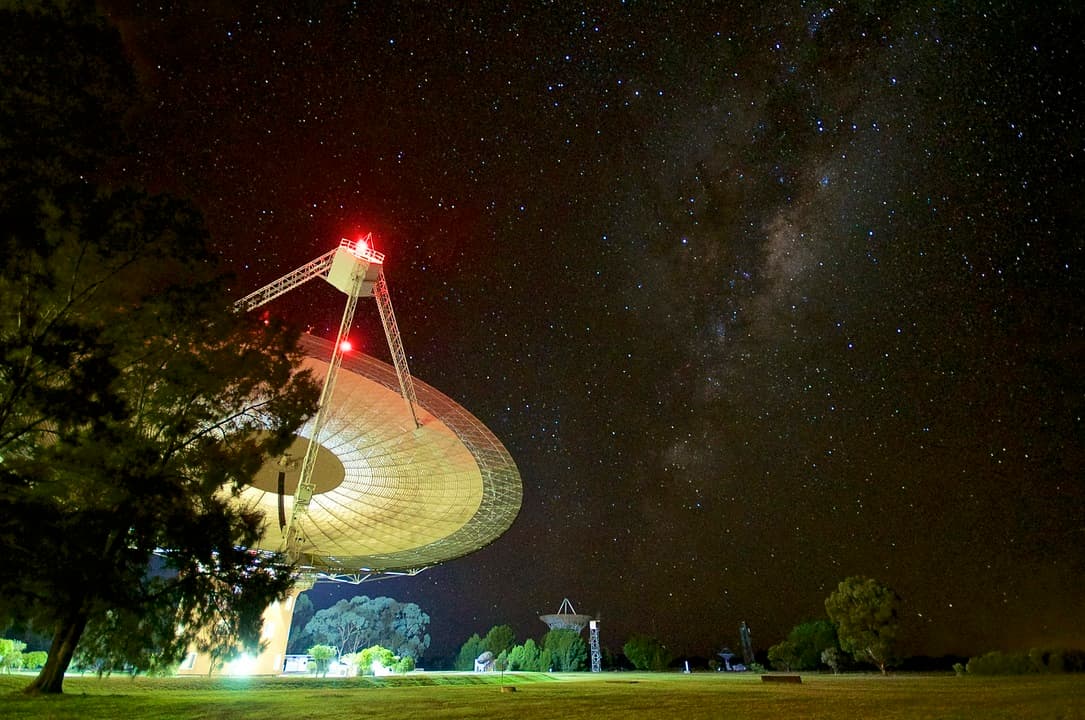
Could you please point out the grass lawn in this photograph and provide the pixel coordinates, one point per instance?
(549, 696)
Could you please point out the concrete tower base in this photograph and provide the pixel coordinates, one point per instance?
(276, 632)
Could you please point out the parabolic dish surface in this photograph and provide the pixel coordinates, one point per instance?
(390, 496)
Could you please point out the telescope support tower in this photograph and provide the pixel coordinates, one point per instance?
(357, 270)
(596, 651)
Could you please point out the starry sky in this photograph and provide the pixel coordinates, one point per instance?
(759, 295)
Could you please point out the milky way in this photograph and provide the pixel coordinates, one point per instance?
(758, 298)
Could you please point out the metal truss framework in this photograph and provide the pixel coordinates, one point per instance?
(388, 519)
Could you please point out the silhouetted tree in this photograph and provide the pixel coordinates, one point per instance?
(811, 638)
(303, 612)
(647, 653)
(133, 401)
(471, 649)
(501, 638)
(866, 615)
(782, 656)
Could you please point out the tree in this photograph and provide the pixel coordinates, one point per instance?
(322, 658)
(471, 649)
(866, 615)
(375, 654)
(831, 657)
(647, 653)
(525, 657)
(783, 656)
(809, 640)
(134, 402)
(567, 650)
(360, 621)
(118, 640)
(501, 638)
(35, 660)
(303, 613)
(11, 654)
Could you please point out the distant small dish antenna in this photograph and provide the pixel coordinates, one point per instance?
(566, 618)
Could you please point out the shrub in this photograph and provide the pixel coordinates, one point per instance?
(999, 663)
(35, 660)
(1036, 660)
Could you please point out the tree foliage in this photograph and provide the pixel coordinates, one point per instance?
(35, 660)
(803, 648)
(500, 639)
(783, 656)
(134, 403)
(867, 618)
(11, 654)
(525, 657)
(322, 656)
(831, 657)
(469, 651)
(566, 649)
(1036, 660)
(647, 653)
(360, 621)
(375, 654)
(299, 640)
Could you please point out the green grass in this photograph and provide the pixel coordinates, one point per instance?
(608, 695)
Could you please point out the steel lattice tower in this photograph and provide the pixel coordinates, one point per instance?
(596, 653)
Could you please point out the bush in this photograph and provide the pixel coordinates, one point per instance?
(322, 657)
(11, 654)
(832, 657)
(1036, 660)
(647, 653)
(378, 654)
(35, 660)
(999, 663)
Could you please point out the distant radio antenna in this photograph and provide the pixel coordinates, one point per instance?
(566, 618)
(596, 651)
(747, 644)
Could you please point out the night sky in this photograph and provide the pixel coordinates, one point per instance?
(759, 295)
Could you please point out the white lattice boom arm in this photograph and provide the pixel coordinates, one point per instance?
(395, 345)
(308, 271)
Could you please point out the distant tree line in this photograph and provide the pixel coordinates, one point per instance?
(557, 651)
(1025, 663)
(361, 621)
(14, 657)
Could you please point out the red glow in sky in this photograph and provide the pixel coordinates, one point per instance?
(346, 346)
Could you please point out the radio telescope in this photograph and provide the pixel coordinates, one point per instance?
(566, 618)
(389, 496)
(390, 476)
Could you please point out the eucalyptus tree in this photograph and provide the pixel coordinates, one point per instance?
(134, 402)
(867, 618)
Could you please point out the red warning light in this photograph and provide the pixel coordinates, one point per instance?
(363, 248)
(346, 346)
